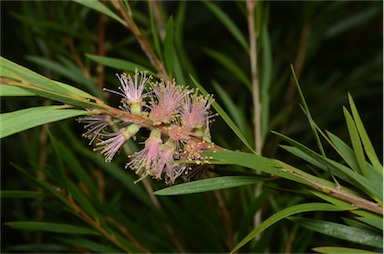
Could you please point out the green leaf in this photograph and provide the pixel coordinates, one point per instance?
(6, 90)
(374, 222)
(89, 245)
(344, 151)
(356, 144)
(301, 208)
(69, 70)
(51, 227)
(98, 6)
(266, 70)
(255, 162)
(341, 250)
(228, 23)
(307, 112)
(349, 156)
(168, 47)
(154, 31)
(211, 184)
(119, 64)
(24, 119)
(345, 205)
(235, 112)
(21, 194)
(369, 150)
(55, 191)
(18, 76)
(338, 169)
(231, 66)
(26, 78)
(225, 117)
(340, 231)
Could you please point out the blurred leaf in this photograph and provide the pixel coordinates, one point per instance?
(84, 201)
(89, 245)
(154, 31)
(40, 248)
(266, 70)
(68, 70)
(225, 117)
(100, 7)
(301, 208)
(21, 194)
(351, 234)
(169, 50)
(356, 144)
(177, 68)
(119, 64)
(340, 250)
(236, 113)
(352, 21)
(369, 150)
(6, 90)
(50, 227)
(216, 183)
(228, 23)
(231, 66)
(24, 119)
(374, 222)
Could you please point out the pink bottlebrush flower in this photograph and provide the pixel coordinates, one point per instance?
(111, 146)
(147, 159)
(132, 90)
(178, 134)
(95, 124)
(193, 153)
(166, 163)
(195, 111)
(169, 97)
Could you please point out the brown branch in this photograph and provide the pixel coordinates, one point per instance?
(131, 25)
(77, 58)
(145, 122)
(357, 202)
(95, 224)
(101, 51)
(128, 235)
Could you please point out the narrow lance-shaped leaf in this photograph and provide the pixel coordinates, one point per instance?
(51, 227)
(169, 47)
(211, 184)
(119, 64)
(6, 90)
(369, 150)
(228, 23)
(301, 208)
(100, 7)
(356, 143)
(348, 233)
(231, 66)
(341, 250)
(24, 119)
(307, 112)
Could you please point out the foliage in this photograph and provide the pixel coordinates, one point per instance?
(60, 196)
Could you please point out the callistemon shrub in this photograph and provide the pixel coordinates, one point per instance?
(178, 119)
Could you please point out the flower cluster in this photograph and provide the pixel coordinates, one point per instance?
(179, 129)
